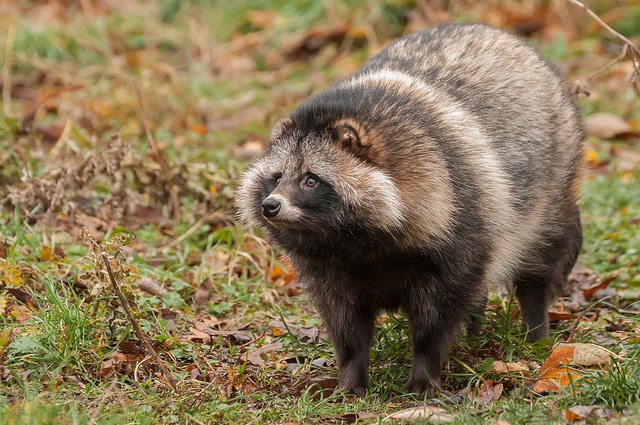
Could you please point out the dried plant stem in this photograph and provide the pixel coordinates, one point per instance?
(629, 48)
(624, 52)
(605, 25)
(134, 324)
(6, 73)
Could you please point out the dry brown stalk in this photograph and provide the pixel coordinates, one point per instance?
(628, 49)
(134, 324)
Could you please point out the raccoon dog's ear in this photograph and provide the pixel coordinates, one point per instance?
(279, 129)
(352, 137)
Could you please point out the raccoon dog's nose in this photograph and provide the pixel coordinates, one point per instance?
(270, 207)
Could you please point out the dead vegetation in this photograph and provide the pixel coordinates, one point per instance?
(133, 120)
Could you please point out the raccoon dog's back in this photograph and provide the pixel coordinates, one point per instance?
(451, 161)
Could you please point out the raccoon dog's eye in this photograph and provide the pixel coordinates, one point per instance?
(277, 177)
(311, 181)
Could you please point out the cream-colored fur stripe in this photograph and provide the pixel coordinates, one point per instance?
(513, 234)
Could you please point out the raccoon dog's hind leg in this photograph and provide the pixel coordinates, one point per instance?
(538, 284)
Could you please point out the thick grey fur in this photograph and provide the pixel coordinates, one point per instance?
(450, 162)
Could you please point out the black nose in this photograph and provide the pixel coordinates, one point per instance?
(270, 207)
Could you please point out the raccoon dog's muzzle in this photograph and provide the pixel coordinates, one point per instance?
(271, 207)
(280, 212)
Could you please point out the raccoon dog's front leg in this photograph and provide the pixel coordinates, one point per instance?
(351, 329)
(433, 331)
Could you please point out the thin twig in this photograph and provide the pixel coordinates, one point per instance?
(632, 50)
(134, 324)
(258, 338)
(624, 52)
(605, 25)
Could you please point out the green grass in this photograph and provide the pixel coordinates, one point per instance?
(206, 78)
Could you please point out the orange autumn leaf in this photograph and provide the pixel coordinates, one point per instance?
(10, 275)
(555, 373)
(282, 269)
(592, 157)
(552, 377)
(198, 129)
(45, 254)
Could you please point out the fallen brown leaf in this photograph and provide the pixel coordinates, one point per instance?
(488, 392)
(591, 354)
(436, 415)
(606, 125)
(117, 362)
(502, 367)
(589, 292)
(555, 373)
(581, 413)
(282, 269)
(130, 347)
(201, 333)
(151, 286)
(22, 296)
(559, 315)
(304, 334)
(255, 356)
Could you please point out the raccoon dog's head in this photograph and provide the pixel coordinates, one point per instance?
(319, 181)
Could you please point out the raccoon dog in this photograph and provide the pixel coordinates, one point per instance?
(449, 163)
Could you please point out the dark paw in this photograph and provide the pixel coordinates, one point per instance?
(536, 334)
(359, 391)
(421, 386)
(354, 383)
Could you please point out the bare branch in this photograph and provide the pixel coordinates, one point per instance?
(134, 324)
(628, 49)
